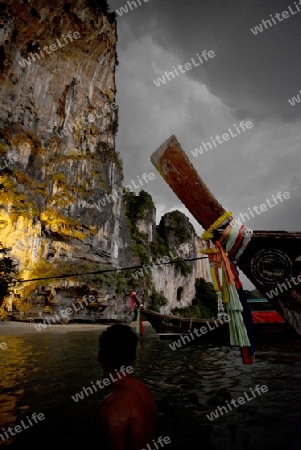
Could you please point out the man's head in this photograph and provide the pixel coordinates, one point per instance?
(117, 347)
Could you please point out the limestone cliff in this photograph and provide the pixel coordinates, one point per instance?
(58, 122)
(62, 203)
(177, 279)
(165, 276)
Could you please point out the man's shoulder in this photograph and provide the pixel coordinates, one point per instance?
(136, 384)
(133, 391)
(110, 406)
(120, 404)
(138, 387)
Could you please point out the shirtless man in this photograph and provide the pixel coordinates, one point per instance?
(128, 415)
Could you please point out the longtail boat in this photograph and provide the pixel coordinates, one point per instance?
(270, 259)
(269, 326)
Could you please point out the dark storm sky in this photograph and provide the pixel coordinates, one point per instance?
(250, 78)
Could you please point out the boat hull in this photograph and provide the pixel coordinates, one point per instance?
(213, 331)
(272, 262)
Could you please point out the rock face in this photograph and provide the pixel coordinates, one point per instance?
(61, 196)
(175, 280)
(58, 121)
(163, 253)
(178, 287)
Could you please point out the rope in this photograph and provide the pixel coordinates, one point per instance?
(100, 271)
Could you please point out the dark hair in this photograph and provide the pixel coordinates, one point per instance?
(117, 345)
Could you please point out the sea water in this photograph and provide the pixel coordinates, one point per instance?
(42, 372)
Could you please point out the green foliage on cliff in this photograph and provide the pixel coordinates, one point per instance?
(141, 252)
(57, 268)
(156, 301)
(121, 284)
(159, 247)
(183, 266)
(136, 207)
(8, 270)
(204, 304)
(180, 229)
(191, 311)
(205, 297)
(115, 157)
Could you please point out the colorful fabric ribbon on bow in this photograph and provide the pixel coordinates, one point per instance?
(229, 291)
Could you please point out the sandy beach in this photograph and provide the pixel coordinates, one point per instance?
(20, 328)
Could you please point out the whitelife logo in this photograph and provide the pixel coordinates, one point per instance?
(53, 48)
(224, 318)
(91, 118)
(9, 159)
(161, 441)
(263, 207)
(3, 345)
(161, 260)
(188, 66)
(287, 285)
(223, 138)
(295, 100)
(124, 9)
(285, 15)
(106, 382)
(117, 192)
(18, 428)
(240, 400)
(54, 319)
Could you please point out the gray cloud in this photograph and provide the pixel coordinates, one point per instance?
(250, 78)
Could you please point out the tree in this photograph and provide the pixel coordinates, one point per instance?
(8, 270)
(204, 304)
(205, 298)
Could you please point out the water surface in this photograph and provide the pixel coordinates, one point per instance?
(41, 371)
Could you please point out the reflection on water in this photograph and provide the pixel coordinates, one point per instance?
(40, 373)
(12, 372)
